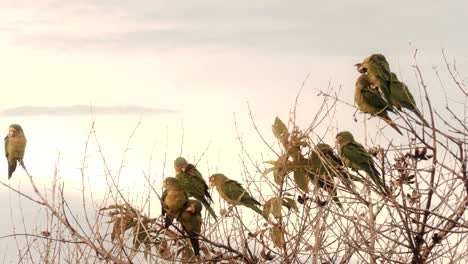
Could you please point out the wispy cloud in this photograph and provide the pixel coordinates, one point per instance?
(350, 28)
(103, 26)
(8, 28)
(76, 110)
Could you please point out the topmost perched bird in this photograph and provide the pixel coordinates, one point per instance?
(15, 144)
(193, 183)
(369, 100)
(378, 71)
(396, 93)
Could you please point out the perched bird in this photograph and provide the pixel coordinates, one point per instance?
(378, 71)
(369, 100)
(191, 221)
(355, 156)
(401, 96)
(15, 144)
(174, 199)
(193, 183)
(233, 193)
(324, 166)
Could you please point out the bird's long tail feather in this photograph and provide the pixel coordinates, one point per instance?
(256, 209)
(11, 168)
(337, 202)
(210, 210)
(375, 176)
(389, 121)
(419, 114)
(195, 244)
(208, 195)
(168, 220)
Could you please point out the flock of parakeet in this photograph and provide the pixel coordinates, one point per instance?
(377, 92)
(189, 182)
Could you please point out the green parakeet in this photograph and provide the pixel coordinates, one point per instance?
(174, 199)
(378, 71)
(233, 193)
(193, 183)
(15, 144)
(368, 100)
(355, 156)
(324, 166)
(401, 96)
(191, 221)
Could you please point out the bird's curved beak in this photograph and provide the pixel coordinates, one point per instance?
(191, 208)
(360, 68)
(11, 132)
(164, 184)
(183, 168)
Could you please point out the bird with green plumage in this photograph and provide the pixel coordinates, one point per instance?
(323, 167)
(369, 100)
(174, 199)
(355, 156)
(378, 71)
(193, 183)
(233, 192)
(191, 221)
(401, 97)
(15, 145)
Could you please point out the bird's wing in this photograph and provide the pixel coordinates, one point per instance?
(196, 178)
(332, 156)
(403, 95)
(6, 146)
(233, 190)
(163, 196)
(325, 161)
(381, 68)
(373, 97)
(195, 186)
(315, 165)
(324, 167)
(192, 171)
(356, 153)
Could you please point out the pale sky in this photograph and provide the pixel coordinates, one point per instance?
(197, 63)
